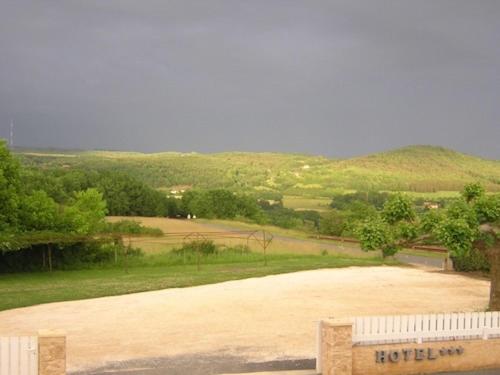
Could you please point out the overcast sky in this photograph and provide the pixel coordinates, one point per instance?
(336, 78)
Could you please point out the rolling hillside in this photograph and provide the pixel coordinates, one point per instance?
(413, 168)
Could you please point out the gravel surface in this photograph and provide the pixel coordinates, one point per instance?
(261, 319)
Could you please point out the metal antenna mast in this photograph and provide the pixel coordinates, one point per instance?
(11, 141)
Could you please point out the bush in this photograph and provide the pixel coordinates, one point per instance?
(237, 249)
(204, 247)
(132, 227)
(389, 251)
(76, 256)
(332, 223)
(472, 260)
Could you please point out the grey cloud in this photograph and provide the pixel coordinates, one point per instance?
(337, 78)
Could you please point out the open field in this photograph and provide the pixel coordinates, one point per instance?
(285, 241)
(304, 203)
(261, 318)
(434, 195)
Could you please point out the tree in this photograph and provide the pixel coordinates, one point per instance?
(471, 222)
(9, 189)
(472, 191)
(38, 212)
(224, 203)
(86, 213)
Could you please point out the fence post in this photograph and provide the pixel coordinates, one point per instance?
(336, 347)
(448, 263)
(51, 352)
(319, 343)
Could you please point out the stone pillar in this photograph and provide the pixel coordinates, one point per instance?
(448, 264)
(51, 352)
(336, 347)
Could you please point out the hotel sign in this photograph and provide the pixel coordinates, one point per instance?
(417, 354)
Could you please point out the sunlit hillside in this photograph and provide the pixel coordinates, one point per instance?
(414, 168)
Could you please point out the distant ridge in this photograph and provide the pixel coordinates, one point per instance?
(418, 168)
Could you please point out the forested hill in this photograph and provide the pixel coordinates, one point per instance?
(414, 168)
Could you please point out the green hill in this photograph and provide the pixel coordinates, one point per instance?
(413, 168)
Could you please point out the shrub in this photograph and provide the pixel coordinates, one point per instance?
(472, 260)
(132, 227)
(204, 247)
(75, 256)
(238, 249)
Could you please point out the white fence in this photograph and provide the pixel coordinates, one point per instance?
(19, 355)
(425, 327)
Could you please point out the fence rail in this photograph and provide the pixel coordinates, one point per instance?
(425, 327)
(19, 355)
(434, 249)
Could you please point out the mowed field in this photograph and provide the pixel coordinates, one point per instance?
(320, 204)
(161, 268)
(284, 241)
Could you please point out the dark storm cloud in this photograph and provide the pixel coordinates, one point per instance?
(338, 78)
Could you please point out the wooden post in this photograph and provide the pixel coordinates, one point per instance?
(115, 242)
(126, 254)
(50, 256)
(198, 259)
(265, 247)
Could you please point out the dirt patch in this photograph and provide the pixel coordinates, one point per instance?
(262, 319)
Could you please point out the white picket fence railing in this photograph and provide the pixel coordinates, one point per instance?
(425, 327)
(19, 355)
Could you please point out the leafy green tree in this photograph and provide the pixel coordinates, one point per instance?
(224, 203)
(398, 208)
(376, 235)
(9, 189)
(467, 224)
(472, 191)
(199, 203)
(33, 180)
(248, 207)
(344, 202)
(333, 223)
(39, 212)
(86, 213)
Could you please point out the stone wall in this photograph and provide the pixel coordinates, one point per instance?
(51, 353)
(429, 357)
(336, 347)
(340, 357)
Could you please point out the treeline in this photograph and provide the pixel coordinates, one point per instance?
(223, 204)
(58, 221)
(348, 209)
(124, 195)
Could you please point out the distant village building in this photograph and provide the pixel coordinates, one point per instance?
(431, 205)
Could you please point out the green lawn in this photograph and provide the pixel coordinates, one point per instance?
(26, 289)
